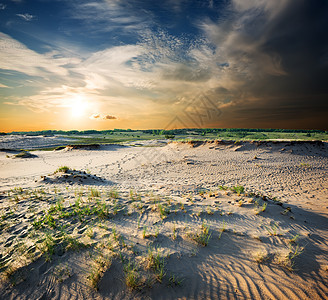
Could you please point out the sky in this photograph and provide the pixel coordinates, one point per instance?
(145, 64)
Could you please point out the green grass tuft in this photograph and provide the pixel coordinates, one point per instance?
(239, 189)
(62, 169)
(201, 237)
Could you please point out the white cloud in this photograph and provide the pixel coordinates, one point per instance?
(2, 6)
(158, 70)
(17, 57)
(94, 116)
(27, 17)
(272, 8)
(110, 15)
(3, 86)
(240, 44)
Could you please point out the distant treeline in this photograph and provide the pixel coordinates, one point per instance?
(201, 131)
(218, 130)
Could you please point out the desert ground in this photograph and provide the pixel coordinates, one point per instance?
(159, 220)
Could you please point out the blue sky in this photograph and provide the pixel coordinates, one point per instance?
(67, 64)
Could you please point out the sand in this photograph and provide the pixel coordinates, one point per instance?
(152, 220)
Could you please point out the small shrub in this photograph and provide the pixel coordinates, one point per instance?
(113, 194)
(94, 192)
(273, 230)
(114, 233)
(294, 239)
(262, 208)
(169, 136)
(132, 193)
(62, 169)
(223, 229)
(174, 280)
(202, 237)
(102, 211)
(201, 192)
(174, 233)
(49, 219)
(261, 256)
(24, 154)
(132, 277)
(288, 260)
(223, 188)
(90, 233)
(61, 273)
(48, 247)
(101, 264)
(157, 263)
(73, 244)
(239, 189)
(163, 211)
(144, 232)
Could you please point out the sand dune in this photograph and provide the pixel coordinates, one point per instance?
(215, 220)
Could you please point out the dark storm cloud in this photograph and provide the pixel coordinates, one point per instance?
(280, 112)
(299, 36)
(277, 57)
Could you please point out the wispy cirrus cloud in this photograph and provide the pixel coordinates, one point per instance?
(17, 57)
(110, 15)
(26, 17)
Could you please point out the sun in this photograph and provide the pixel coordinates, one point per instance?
(78, 106)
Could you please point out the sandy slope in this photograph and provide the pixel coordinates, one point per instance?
(266, 243)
